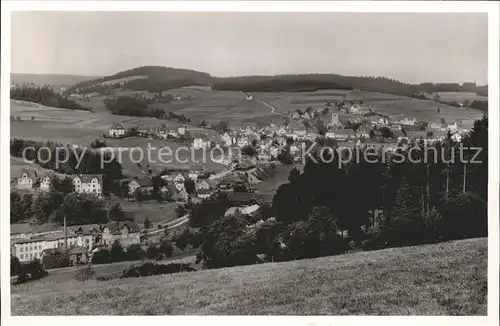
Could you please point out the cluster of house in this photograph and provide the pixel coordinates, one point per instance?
(117, 130)
(30, 179)
(82, 241)
(354, 107)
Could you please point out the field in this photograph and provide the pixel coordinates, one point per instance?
(156, 213)
(461, 96)
(444, 279)
(270, 185)
(392, 105)
(81, 127)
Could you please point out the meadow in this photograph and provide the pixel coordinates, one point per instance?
(395, 106)
(443, 279)
(461, 96)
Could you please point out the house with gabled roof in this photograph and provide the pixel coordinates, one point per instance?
(125, 232)
(46, 181)
(116, 130)
(28, 180)
(88, 183)
(143, 184)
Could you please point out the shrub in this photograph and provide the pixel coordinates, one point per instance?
(101, 257)
(116, 252)
(84, 273)
(150, 269)
(135, 252)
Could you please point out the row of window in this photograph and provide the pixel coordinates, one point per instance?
(30, 248)
(30, 256)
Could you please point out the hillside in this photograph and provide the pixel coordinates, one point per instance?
(158, 78)
(307, 82)
(49, 79)
(443, 279)
(146, 78)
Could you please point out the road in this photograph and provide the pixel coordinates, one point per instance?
(169, 226)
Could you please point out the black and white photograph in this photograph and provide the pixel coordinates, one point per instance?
(279, 161)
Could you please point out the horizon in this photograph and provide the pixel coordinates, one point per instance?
(284, 74)
(425, 47)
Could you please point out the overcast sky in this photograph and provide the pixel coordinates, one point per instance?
(409, 47)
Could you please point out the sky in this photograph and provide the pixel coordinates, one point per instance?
(410, 47)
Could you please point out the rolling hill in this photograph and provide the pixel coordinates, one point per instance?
(158, 78)
(443, 279)
(146, 78)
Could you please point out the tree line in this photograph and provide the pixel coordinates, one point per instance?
(138, 107)
(52, 206)
(90, 160)
(329, 208)
(311, 82)
(43, 95)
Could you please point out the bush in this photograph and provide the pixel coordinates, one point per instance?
(150, 269)
(152, 252)
(101, 257)
(84, 273)
(116, 252)
(165, 249)
(98, 143)
(32, 270)
(135, 252)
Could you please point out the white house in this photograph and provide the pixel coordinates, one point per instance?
(281, 131)
(193, 175)
(408, 122)
(28, 179)
(199, 143)
(116, 130)
(88, 183)
(227, 140)
(452, 127)
(180, 178)
(243, 141)
(46, 183)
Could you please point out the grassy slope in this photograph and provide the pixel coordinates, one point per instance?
(443, 279)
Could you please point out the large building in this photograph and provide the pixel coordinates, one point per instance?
(126, 233)
(32, 247)
(88, 183)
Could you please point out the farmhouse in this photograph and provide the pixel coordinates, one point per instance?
(298, 129)
(125, 232)
(452, 127)
(116, 130)
(88, 183)
(408, 122)
(46, 182)
(28, 180)
(202, 184)
(205, 193)
(227, 140)
(144, 185)
(200, 143)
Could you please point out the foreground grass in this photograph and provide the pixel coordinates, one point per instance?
(444, 279)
